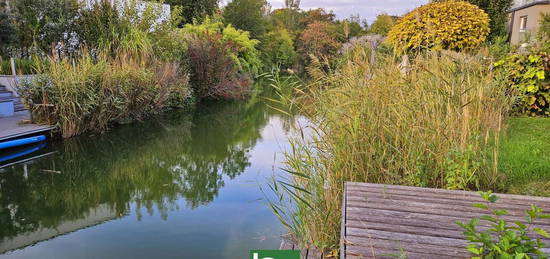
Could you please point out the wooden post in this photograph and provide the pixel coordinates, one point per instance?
(13, 70)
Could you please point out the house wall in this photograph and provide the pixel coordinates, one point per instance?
(533, 14)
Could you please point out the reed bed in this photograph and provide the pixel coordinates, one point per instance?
(433, 123)
(89, 94)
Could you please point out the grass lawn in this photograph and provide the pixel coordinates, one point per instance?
(525, 156)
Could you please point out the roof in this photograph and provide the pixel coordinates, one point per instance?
(540, 2)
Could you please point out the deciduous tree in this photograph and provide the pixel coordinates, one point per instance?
(248, 15)
(195, 9)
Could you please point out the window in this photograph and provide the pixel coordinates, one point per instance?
(523, 23)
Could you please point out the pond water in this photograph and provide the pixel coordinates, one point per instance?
(184, 185)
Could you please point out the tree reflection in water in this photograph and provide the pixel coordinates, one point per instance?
(150, 164)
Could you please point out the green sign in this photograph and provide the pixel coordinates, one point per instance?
(274, 254)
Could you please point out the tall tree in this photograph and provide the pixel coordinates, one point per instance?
(248, 15)
(498, 15)
(8, 34)
(317, 15)
(195, 9)
(44, 23)
(382, 25)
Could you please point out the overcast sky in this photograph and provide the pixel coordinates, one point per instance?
(365, 8)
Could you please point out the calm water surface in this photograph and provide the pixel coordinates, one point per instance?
(186, 185)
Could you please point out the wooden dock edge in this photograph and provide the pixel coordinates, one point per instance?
(343, 224)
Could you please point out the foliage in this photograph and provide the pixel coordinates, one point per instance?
(499, 48)
(8, 33)
(381, 123)
(42, 24)
(463, 168)
(529, 78)
(351, 27)
(194, 10)
(100, 24)
(544, 31)
(248, 15)
(22, 66)
(287, 18)
(244, 54)
(278, 49)
(498, 15)
(93, 93)
(316, 16)
(214, 73)
(454, 25)
(318, 40)
(502, 240)
(383, 24)
(131, 26)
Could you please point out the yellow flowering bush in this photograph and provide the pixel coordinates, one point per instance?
(454, 25)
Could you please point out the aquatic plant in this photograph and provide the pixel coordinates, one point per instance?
(433, 123)
(90, 94)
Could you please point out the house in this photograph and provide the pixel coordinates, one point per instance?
(524, 19)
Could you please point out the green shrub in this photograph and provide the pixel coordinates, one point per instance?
(382, 25)
(502, 240)
(245, 55)
(529, 79)
(278, 49)
(222, 59)
(544, 31)
(22, 66)
(94, 93)
(214, 74)
(453, 25)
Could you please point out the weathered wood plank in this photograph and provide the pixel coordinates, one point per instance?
(452, 193)
(363, 196)
(389, 193)
(447, 228)
(405, 237)
(360, 252)
(358, 207)
(305, 253)
(383, 220)
(373, 244)
(513, 211)
(314, 253)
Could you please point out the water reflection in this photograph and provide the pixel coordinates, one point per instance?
(137, 168)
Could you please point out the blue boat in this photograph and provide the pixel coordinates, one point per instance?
(21, 142)
(21, 153)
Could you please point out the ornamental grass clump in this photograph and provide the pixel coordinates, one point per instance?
(435, 123)
(90, 94)
(453, 25)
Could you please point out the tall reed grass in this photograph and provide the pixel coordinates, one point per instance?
(433, 123)
(89, 94)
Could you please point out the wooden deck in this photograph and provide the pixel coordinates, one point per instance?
(10, 127)
(385, 221)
